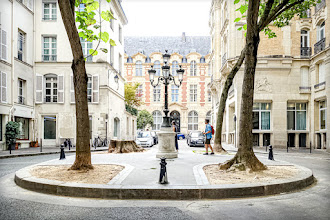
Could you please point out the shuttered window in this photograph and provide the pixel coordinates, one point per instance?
(20, 45)
(4, 46)
(3, 87)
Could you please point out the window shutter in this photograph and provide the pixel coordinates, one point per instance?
(60, 91)
(72, 90)
(304, 76)
(39, 88)
(95, 88)
(3, 45)
(3, 87)
(321, 73)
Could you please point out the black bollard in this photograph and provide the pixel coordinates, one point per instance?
(310, 147)
(66, 143)
(163, 172)
(270, 155)
(62, 155)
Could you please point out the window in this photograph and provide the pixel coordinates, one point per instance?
(27, 3)
(138, 68)
(86, 46)
(193, 68)
(157, 94)
(321, 74)
(20, 45)
(193, 121)
(157, 67)
(296, 116)
(209, 96)
(139, 91)
(323, 115)
(175, 67)
(3, 87)
(111, 20)
(112, 53)
(175, 93)
(50, 11)
(304, 38)
(158, 120)
(21, 84)
(116, 127)
(89, 89)
(320, 31)
(120, 34)
(193, 93)
(4, 45)
(81, 7)
(120, 64)
(261, 116)
(23, 124)
(49, 49)
(51, 89)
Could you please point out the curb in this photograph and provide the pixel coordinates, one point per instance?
(113, 190)
(42, 153)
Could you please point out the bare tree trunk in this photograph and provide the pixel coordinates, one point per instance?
(83, 153)
(245, 157)
(224, 95)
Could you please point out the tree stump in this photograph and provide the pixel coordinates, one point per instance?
(119, 147)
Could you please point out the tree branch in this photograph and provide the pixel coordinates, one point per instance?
(261, 26)
(268, 8)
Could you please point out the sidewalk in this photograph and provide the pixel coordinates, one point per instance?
(32, 151)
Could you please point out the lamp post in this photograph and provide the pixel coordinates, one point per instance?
(165, 143)
(235, 119)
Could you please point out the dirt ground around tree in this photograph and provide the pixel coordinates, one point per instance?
(101, 174)
(216, 176)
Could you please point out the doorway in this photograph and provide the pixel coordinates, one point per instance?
(175, 116)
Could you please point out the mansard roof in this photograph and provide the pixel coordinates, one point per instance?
(182, 45)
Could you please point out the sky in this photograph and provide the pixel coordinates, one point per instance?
(167, 17)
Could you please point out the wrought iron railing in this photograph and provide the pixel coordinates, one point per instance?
(306, 14)
(305, 89)
(49, 58)
(224, 59)
(317, 86)
(305, 51)
(320, 5)
(231, 93)
(319, 46)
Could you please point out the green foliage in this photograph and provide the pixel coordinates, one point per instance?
(144, 118)
(131, 110)
(289, 8)
(90, 24)
(131, 97)
(12, 131)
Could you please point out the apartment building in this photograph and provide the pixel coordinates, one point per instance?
(292, 78)
(190, 103)
(40, 78)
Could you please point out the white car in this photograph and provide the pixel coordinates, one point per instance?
(145, 139)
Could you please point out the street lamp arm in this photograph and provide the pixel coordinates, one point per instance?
(172, 78)
(158, 80)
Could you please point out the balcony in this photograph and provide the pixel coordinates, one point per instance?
(319, 46)
(305, 89)
(49, 58)
(305, 51)
(231, 93)
(319, 86)
(224, 59)
(21, 100)
(319, 6)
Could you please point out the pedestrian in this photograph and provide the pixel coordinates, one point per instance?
(176, 135)
(208, 137)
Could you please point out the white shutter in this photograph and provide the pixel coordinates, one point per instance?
(60, 92)
(3, 45)
(3, 87)
(72, 90)
(321, 72)
(95, 88)
(304, 76)
(39, 88)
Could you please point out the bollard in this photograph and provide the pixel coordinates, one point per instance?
(62, 154)
(310, 147)
(270, 155)
(66, 143)
(266, 148)
(163, 172)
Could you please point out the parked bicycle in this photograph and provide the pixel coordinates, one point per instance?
(99, 142)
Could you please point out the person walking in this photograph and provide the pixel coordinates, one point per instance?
(208, 134)
(176, 135)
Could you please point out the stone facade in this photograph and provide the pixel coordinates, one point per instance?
(48, 92)
(191, 103)
(292, 78)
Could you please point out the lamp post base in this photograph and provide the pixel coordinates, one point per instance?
(166, 143)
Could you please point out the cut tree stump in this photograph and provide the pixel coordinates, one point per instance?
(119, 147)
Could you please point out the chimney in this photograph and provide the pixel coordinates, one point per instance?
(183, 36)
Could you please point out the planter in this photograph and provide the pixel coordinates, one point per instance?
(34, 144)
(17, 145)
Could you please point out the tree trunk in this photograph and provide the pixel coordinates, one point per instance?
(83, 153)
(124, 147)
(224, 95)
(245, 157)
